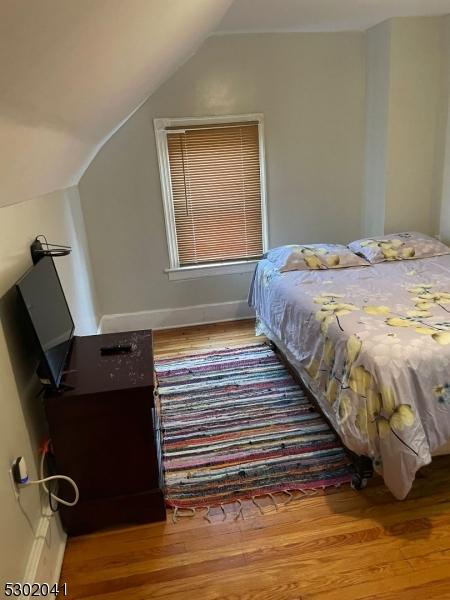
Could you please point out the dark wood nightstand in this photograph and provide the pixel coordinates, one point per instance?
(105, 434)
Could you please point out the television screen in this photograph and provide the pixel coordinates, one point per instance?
(44, 300)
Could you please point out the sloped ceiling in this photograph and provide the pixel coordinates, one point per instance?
(71, 71)
(322, 15)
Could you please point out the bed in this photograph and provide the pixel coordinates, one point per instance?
(372, 344)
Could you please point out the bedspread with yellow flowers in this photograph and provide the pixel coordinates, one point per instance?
(373, 345)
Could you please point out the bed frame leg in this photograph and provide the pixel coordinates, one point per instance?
(363, 471)
(271, 345)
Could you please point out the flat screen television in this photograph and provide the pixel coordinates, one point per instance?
(42, 295)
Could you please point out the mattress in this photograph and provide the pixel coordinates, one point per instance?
(373, 345)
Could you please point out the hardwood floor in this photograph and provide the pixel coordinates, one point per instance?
(340, 546)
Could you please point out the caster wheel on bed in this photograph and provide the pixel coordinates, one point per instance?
(358, 482)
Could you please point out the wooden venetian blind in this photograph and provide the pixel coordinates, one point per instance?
(215, 178)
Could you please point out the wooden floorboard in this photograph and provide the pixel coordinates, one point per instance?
(344, 545)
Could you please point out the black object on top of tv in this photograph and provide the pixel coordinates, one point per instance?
(45, 303)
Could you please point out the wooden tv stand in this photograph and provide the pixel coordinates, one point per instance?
(105, 434)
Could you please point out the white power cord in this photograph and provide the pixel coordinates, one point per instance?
(22, 479)
(44, 480)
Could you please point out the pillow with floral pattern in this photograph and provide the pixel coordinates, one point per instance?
(313, 257)
(399, 246)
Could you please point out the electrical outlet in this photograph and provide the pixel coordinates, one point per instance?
(20, 471)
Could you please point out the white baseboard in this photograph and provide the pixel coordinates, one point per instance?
(167, 318)
(47, 553)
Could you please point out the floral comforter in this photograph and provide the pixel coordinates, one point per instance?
(373, 344)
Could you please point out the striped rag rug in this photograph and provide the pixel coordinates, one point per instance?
(236, 426)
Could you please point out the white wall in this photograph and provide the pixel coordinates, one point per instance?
(376, 127)
(57, 216)
(355, 144)
(443, 164)
(415, 86)
(310, 88)
(406, 75)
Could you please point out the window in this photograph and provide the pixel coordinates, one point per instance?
(212, 179)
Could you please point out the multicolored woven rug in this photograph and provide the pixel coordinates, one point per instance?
(236, 425)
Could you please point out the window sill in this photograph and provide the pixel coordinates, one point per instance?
(197, 271)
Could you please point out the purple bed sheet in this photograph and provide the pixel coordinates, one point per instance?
(373, 345)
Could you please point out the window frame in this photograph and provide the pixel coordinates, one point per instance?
(175, 271)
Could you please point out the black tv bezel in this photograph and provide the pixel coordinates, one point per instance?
(44, 369)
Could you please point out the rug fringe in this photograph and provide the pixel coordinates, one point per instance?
(270, 495)
(290, 498)
(292, 494)
(273, 500)
(257, 505)
(176, 514)
(206, 515)
(240, 511)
